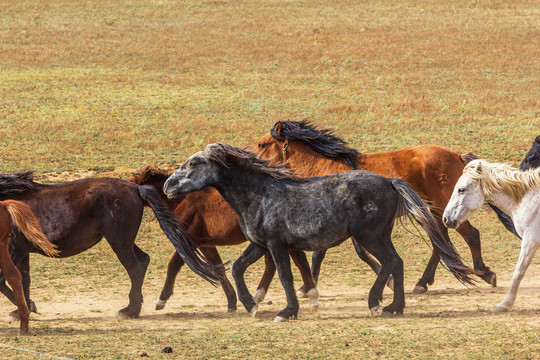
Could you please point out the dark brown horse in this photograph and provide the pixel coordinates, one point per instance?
(76, 215)
(16, 215)
(432, 171)
(211, 222)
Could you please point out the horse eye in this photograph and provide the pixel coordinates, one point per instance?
(261, 146)
(461, 191)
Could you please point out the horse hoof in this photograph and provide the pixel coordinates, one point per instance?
(253, 311)
(231, 310)
(419, 289)
(24, 332)
(32, 307)
(259, 295)
(160, 304)
(390, 283)
(374, 310)
(492, 280)
(280, 319)
(124, 314)
(500, 309)
(13, 316)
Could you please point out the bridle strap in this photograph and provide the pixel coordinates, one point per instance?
(284, 149)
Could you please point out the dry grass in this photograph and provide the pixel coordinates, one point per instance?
(96, 85)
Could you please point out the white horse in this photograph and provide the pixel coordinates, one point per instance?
(515, 192)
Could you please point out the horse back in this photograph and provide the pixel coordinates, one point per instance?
(430, 170)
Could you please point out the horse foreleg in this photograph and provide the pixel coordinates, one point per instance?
(528, 248)
(213, 258)
(24, 268)
(175, 264)
(280, 255)
(268, 275)
(252, 253)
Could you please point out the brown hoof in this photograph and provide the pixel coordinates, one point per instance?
(419, 289)
(492, 279)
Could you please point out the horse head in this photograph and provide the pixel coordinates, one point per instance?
(466, 197)
(532, 159)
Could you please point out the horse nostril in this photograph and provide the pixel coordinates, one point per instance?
(444, 220)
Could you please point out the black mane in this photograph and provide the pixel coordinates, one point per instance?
(230, 156)
(11, 184)
(322, 141)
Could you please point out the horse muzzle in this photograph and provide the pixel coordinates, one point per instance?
(450, 223)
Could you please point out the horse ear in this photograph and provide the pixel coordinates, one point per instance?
(278, 127)
(479, 168)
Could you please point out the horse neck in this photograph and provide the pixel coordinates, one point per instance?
(242, 187)
(307, 162)
(504, 202)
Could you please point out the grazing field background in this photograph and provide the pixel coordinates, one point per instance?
(93, 87)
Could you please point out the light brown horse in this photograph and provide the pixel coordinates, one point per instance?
(432, 171)
(15, 214)
(211, 222)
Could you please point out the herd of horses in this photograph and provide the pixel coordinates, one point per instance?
(296, 191)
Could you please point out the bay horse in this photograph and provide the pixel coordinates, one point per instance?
(515, 192)
(430, 170)
(278, 211)
(211, 222)
(16, 215)
(76, 215)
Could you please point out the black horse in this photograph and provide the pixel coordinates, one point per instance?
(278, 211)
(531, 161)
(77, 215)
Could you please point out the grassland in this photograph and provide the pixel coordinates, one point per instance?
(98, 85)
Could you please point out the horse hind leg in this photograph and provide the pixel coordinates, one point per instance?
(212, 255)
(268, 275)
(388, 258)
(316, 261)
(14, 278)
(528, 249)
(301, 262)
(175, 264)
(472, 238)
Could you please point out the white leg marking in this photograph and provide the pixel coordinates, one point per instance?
(280, 319)
(301, 294)
(259, 296)
(160, 304)
(313, 296)
(374, 310)
(253, 311)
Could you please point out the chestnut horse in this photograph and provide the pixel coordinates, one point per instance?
(430, 170)
(211, 222)
(76, 215)
(16, 215)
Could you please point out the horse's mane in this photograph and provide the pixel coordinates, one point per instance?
(323, 141)
(496, 177)
(11, 184)
(229, 156)
(142, 176)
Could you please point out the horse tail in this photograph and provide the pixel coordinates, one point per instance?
(180, 239)
(411, 204)
(24, 219)
(468, 157)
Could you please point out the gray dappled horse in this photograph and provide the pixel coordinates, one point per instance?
(278, 211)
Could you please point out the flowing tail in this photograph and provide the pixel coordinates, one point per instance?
(24, 219)
(180, 239)
(411, 204)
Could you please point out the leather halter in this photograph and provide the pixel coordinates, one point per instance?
(284, 149)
